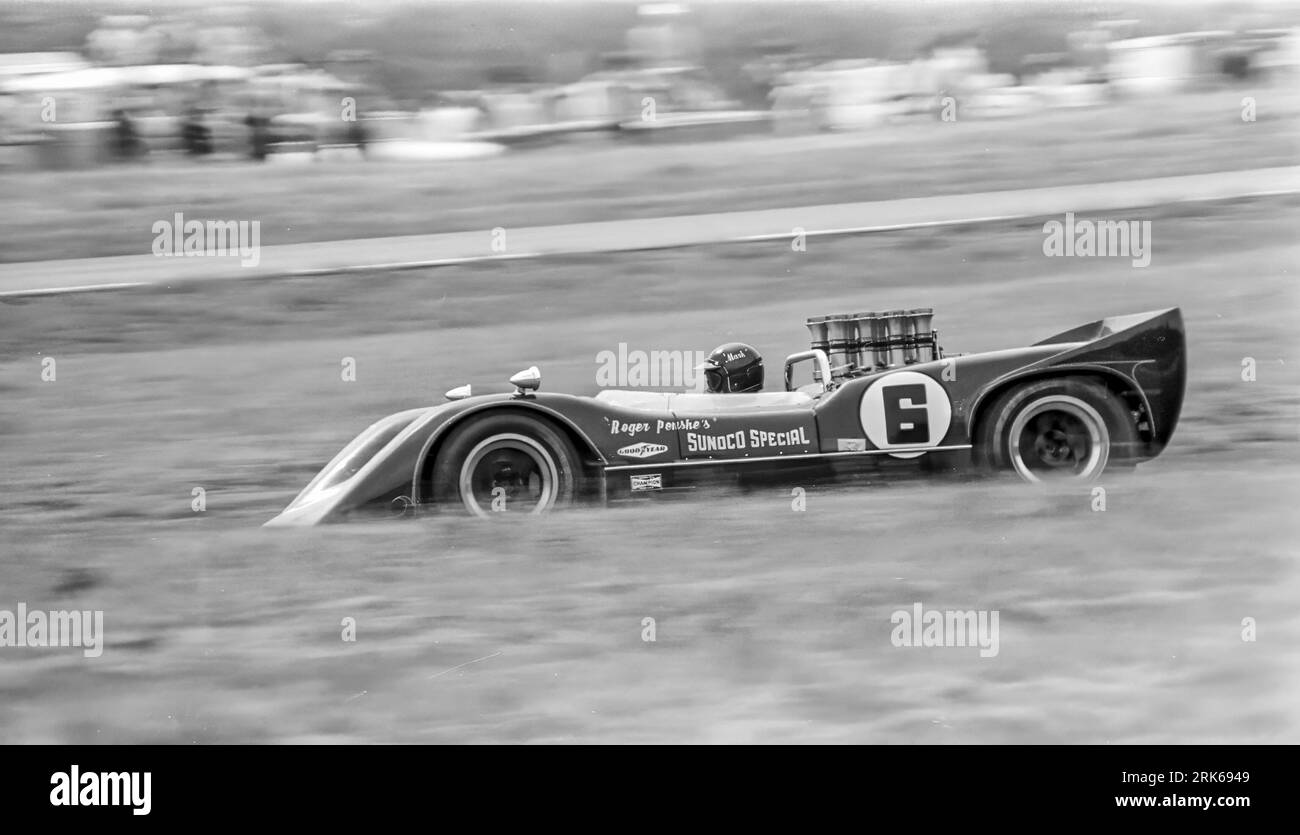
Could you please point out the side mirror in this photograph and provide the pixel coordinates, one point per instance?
(529, 379)
(821, 368)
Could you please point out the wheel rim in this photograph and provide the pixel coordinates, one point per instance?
(1059, 438)
(520, 467)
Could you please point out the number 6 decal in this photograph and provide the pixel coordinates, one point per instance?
(905, 410)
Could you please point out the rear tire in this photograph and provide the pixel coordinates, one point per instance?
(1065, 429)
(505, 463)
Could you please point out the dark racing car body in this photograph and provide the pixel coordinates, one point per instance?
(1104, 394)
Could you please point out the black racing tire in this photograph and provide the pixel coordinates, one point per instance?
(1056, 430)
(533, 463)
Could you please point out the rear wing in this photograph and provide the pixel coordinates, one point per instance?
(1110, 325)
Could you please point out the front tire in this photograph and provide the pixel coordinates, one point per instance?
(1056, 430)
(505, 464)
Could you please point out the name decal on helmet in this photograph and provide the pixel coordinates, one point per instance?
(733, 367)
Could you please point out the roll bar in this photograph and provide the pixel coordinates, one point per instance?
(821, 373)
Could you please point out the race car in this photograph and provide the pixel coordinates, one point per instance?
(881, 399)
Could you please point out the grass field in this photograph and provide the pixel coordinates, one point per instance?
(772, 625)
(111, 211)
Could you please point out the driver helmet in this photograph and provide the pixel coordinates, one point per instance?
(733, 367)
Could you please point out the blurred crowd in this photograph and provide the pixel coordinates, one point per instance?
(142, 85)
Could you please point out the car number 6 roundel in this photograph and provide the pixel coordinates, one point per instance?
(905, 410)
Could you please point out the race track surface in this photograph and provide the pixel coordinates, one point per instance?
(413, 251)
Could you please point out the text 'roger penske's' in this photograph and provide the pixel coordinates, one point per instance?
(1183, 801)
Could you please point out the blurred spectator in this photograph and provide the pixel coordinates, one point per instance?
(196, 136)
(357, 135)
(126, 142)
(259, 128)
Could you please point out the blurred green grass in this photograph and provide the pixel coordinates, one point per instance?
(771, 625)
